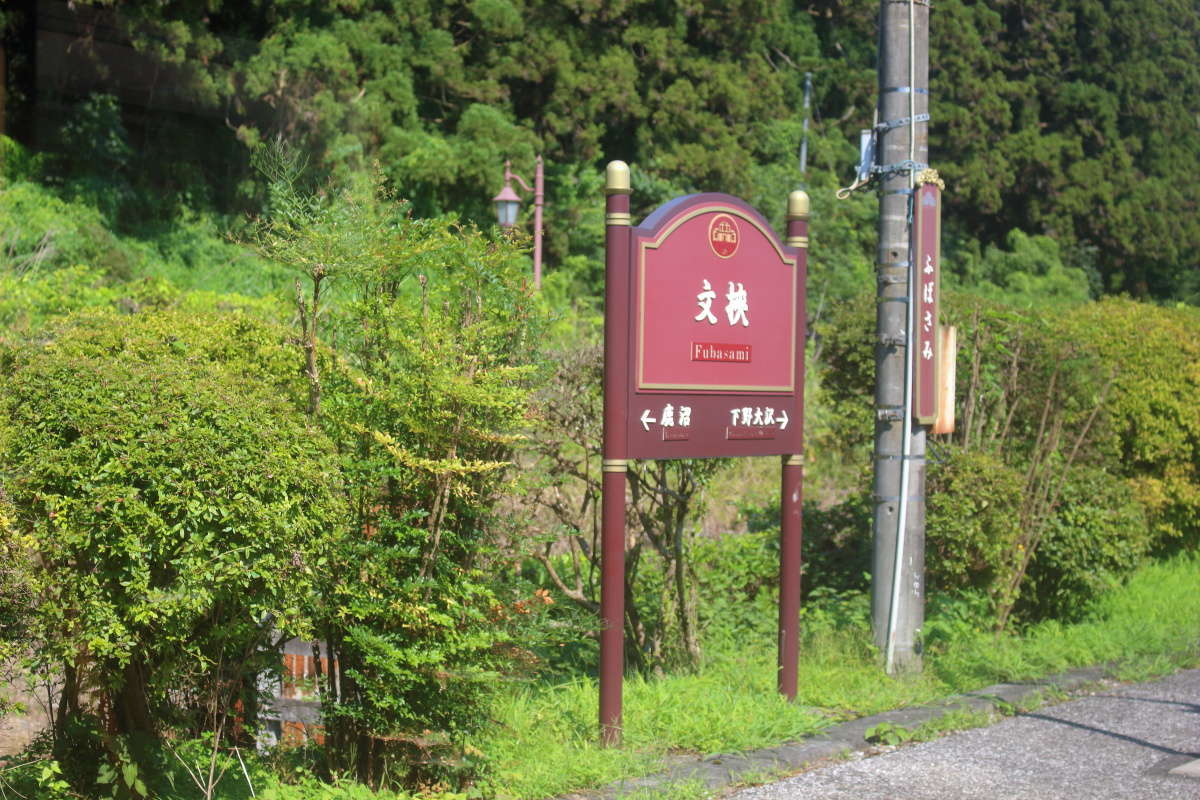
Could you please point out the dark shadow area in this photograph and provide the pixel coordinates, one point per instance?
(1120, 736)
(1189, 708)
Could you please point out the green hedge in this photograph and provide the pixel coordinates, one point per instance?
(1153, 415)
(171, 513)
(1119, 477)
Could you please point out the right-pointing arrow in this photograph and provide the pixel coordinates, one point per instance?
(784, 421)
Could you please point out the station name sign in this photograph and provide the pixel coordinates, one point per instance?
(715, 351)
(717, 333)
(926, 354)
(703, 357)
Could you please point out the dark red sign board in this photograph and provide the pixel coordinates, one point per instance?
(717, 334)
(926, 226)
(703, 357)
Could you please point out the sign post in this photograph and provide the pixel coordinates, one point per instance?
(791, 489)
(704, 357)
(616, 449)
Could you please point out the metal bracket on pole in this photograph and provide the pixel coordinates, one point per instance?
(899, 123)
(889, 413)
(907, 165)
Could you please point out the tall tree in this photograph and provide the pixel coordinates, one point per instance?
(441, 91)
(1074, 119)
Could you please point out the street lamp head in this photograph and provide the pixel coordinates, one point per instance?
(507, 205)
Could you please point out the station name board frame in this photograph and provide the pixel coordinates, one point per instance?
(716, 334)
(703, 357)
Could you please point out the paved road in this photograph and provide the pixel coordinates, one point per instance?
(1119, 743)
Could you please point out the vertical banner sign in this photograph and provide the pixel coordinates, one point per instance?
(927, 213)
(704, 358)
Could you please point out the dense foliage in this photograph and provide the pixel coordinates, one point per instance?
(1072, 119)
(1074, 448)
(1054, 118)
(249, 392)
(335, 482)
(171, 510)
(417, 341)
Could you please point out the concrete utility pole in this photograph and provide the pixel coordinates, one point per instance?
(898, 601)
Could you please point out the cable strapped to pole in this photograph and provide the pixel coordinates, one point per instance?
(908, 165)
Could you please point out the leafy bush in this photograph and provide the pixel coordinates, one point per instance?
(41, 231)
(1152, 436)
(846, 356)
(738, 575)
(1093, 397)
(837, 541)
(1098, 535)
(1034, 400)
(194, 252)
(175, 505)
(1029, 273)
(18, 163)
(971, 515)
(26, 303)
(1100, 395)
(424, 389)
(738, 584)
(838, 545)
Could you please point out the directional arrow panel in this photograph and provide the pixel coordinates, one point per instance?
(700, 426)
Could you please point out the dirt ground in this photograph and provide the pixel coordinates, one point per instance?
(18, 730)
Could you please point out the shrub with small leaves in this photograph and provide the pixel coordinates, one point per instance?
(173, 500)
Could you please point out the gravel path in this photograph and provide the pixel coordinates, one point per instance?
(1120, 743)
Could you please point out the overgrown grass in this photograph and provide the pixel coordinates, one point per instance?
(544, 742)
(40, 233)
(1148, 626)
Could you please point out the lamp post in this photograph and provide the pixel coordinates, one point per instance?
(508, 202)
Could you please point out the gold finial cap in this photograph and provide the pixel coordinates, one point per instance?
(798, 205)
(931, 176)
(616, 178)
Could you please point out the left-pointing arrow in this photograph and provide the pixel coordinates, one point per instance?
(647, 419)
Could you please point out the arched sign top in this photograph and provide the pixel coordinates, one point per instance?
(663, 221)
